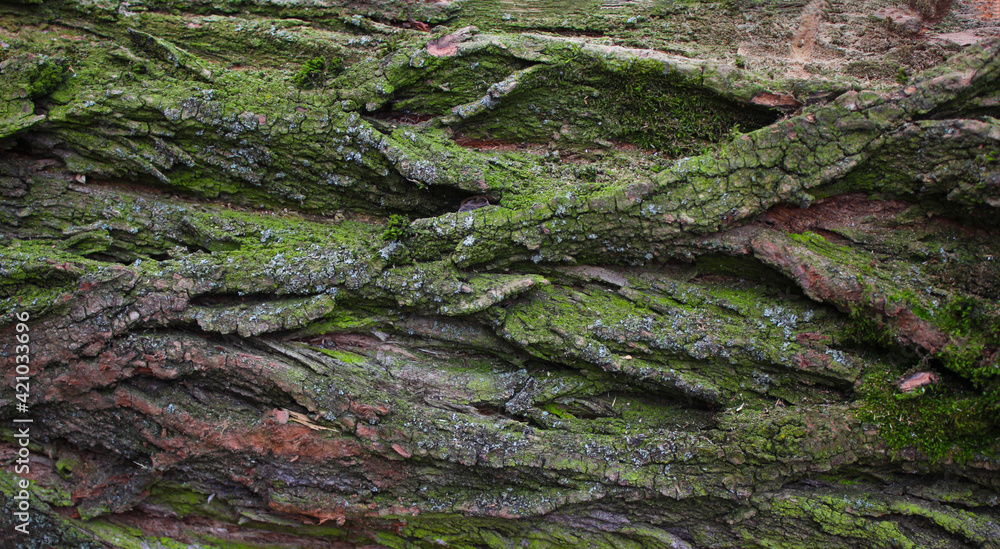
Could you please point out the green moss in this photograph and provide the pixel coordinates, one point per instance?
(397, 228)
(36, 275)
(698, 340)
(854, 516)
(185, 501)
(642, 102)
(65, 466)
(46, 77)
(127, 537)
(901, 76)
(842, 254)
(955, 419)
(556, 410)
(435, 530)
(312, 74)
(865, 330)
(974, 327)
(346, 357)
(942, 421)
(655, 109)
(197, 181)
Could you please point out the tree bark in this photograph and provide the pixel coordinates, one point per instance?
(476, 274)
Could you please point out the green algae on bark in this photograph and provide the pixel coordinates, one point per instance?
(260, 319)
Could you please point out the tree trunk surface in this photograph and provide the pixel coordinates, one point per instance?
(624, 274)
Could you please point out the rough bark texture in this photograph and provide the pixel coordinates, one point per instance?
(733, 281)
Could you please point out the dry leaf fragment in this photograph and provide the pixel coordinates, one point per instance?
(915, 381)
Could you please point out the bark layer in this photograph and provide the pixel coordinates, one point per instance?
(701, 306)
